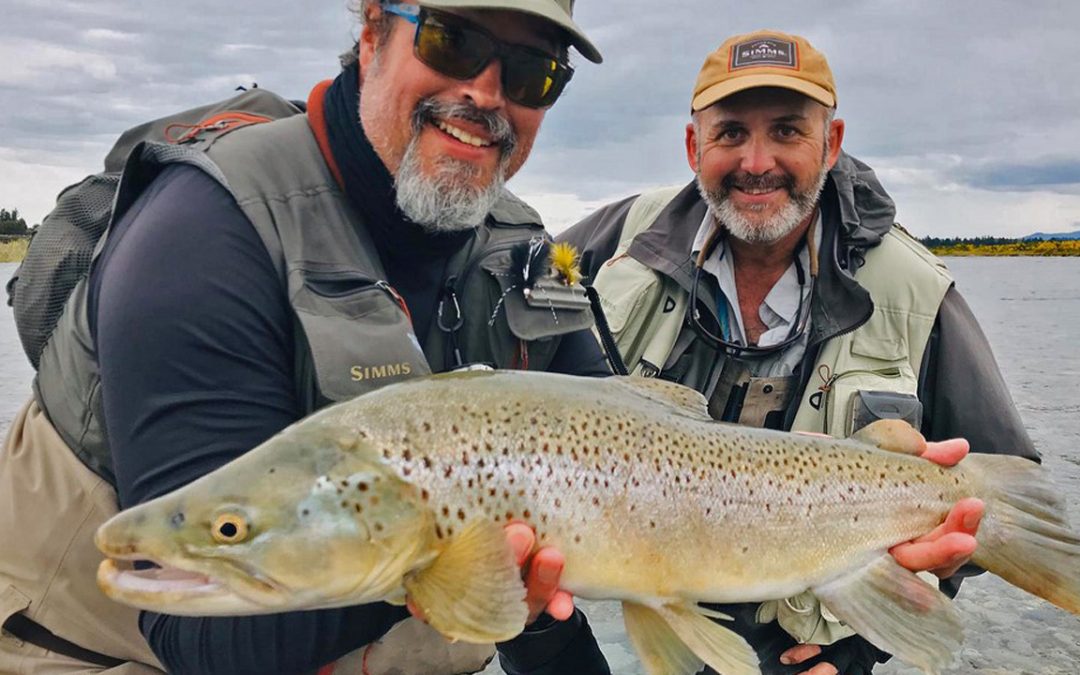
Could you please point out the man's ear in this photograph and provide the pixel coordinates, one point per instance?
(369, 39)
(836, 140)
(692, 147)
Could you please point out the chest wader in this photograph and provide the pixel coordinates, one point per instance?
(352, 332)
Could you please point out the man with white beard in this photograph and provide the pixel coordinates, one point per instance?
(258, 271)
(777, 284)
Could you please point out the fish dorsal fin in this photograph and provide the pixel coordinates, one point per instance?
(473, 589)
(679, 639)
(893, 436)
(898, 612)
(686, 400)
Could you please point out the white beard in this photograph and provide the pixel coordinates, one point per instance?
(744, 227)
(448, 201)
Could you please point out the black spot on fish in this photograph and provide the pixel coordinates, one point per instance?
(177, 520)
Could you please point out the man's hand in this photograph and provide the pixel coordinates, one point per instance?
(942, 551)
(948, 546)
(541, 571)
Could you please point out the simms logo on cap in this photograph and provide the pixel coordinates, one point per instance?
(764, 52)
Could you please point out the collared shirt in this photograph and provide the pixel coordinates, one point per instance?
(779, 311)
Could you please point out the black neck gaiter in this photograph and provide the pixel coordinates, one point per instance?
(415, 260)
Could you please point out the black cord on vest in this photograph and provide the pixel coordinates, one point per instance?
(607, 340)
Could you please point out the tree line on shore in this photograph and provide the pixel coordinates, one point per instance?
(12, 225)
(1001, 246)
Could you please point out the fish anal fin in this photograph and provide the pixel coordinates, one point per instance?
(893, 436)
(898, 612)
(473, 590)
(686, 400)
(724, 650)
(660, 649)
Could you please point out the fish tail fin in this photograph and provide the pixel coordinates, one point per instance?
(680, 639)
(1024, 537)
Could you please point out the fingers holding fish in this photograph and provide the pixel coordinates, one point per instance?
(947, 453)
(541, 571)
(947, 547)
(799, 654)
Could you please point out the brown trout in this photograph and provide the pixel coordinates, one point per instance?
(405, 491)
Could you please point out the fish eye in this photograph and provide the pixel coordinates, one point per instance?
(229, 528)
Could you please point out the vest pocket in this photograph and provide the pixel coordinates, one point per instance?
(530, 322)
(359, 335)
(872, 364)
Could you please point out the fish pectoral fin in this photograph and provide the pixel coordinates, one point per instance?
(893, 436)
(898, 612)
(473, 590)
(680, 639)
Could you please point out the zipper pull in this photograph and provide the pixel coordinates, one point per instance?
(396, 296)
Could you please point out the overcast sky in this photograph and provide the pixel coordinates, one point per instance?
(968, 109)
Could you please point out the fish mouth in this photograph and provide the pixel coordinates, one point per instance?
(182, 591)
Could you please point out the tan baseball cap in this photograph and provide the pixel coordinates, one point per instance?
(558, 12)
(766, 58)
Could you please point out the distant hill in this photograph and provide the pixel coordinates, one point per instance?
(1044, 236)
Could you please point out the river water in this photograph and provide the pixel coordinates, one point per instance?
(1030, 309)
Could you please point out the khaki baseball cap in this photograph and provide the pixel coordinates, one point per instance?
(766, 58)
(558, 12)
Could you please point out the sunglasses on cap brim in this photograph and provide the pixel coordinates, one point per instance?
(458, 48)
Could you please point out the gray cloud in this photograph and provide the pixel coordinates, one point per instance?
(1053, 173)
(984, 84)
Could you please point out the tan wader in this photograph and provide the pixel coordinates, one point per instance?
(50, 506)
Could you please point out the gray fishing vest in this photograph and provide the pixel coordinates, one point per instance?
(352, 332)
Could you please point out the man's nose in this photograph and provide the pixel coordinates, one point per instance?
(485, 90)
(758, 157)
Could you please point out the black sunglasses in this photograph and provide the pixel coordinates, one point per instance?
(460, 49)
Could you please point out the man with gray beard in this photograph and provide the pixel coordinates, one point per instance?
(260, 270)
(777, 284)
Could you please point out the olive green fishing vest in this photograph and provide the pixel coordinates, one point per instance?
(884, 354)
(352, 332)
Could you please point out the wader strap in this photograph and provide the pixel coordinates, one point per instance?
(39, 636)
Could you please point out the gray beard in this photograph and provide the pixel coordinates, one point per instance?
(773, 228)
(448, 201)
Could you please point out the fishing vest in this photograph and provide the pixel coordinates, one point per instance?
(352, 331)
(884, 354)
